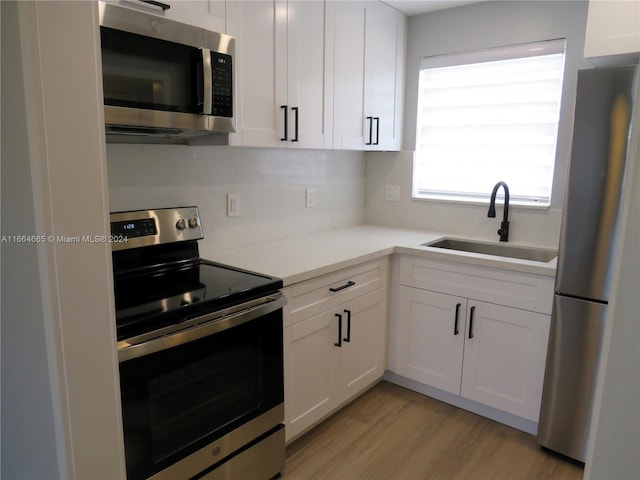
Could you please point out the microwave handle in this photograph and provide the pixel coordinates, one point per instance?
(150, 4)
(205, 95)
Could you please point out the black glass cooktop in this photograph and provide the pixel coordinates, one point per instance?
(154, 297)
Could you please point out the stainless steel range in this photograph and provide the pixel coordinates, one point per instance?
(200, 352)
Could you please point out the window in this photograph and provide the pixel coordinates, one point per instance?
(489, 116)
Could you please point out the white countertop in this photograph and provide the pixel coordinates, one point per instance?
(301, 258)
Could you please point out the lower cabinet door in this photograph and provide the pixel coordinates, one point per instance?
(363, 342)
(331, 357)
(310, 383)
(504, 358)
(430, 338)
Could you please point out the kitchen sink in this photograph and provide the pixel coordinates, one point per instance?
(497, 249)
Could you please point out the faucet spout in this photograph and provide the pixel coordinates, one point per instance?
(504, 226)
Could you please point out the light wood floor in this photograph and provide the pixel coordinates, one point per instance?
(391, 433)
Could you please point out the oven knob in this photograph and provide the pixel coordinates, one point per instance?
(181, 224)
(193, 222)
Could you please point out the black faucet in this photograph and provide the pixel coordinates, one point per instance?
(504, 226)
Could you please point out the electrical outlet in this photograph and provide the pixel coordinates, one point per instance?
(310, 197)
(233, 204)
(393, 193)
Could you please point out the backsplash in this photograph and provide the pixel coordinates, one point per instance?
(539, 227)
(271, 184)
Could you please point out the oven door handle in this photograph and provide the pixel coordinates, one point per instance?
(199, 328)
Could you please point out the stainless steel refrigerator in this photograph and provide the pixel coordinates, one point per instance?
(599, 151)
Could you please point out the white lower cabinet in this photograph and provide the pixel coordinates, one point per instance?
(505, 354)
(361, 355)
(489, 353)
(310, 379)
(334, 355)
(430, 340)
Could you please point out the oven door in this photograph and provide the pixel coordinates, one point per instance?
(214, 389)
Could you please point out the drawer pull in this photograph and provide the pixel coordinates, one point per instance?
(342, 287)
(473, 309)
(455, 324)
(339, 343)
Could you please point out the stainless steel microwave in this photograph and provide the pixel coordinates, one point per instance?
(164, 78)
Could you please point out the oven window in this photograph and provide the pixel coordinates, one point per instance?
(177, 401)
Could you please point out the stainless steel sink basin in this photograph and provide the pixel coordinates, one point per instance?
(497, 249)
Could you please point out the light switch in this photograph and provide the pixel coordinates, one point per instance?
(393, 193)
(233, 205)
(310, 197)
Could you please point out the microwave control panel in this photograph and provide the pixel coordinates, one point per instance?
(222, 82)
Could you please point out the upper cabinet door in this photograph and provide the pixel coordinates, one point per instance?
(385, 76)
(316, 74)
(367, 47)
(306, 76)
(349, 23)
(207, 14)
(258, 121)
(613, 28)
(280, 73)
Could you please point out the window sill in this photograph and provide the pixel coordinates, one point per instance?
(481, 202)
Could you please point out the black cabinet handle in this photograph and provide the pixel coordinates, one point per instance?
(473, 309)
(370, 120)
(348, 337)
(339, 343)
(342, 287)
(286, 123)
(377, 119)
(455, 324)
(295, 120)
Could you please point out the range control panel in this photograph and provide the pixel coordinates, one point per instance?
(139, 228)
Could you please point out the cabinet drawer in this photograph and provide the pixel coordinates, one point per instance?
(314, 296)
(514, 289)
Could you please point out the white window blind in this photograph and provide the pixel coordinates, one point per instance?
(489, 116)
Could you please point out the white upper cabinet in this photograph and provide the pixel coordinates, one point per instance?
(208, 14)
(254, 26)
(280, 73)
(613, 28)
(306, 79)
(347, 24)
(366, 41)
(385, 80)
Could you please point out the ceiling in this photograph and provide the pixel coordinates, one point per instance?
(416, 7)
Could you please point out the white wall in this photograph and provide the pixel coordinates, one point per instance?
(60, 392)
(528, 226)
(271, 184)
(475, 27)
(28, 424)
